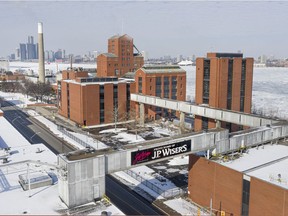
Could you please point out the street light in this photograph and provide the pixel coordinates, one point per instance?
(15, 118)
(34, 135)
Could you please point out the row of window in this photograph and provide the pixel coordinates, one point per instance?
(206, 83)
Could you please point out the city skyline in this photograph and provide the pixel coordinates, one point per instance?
(159, 28)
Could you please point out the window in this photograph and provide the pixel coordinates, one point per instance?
(229, 84)
(206, 81)
(242, 88)
(174, 88)
(158, 86)
(245, 197)
(166, 87)
(139, 84)
(204, 123)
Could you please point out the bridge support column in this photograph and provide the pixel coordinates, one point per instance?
(182, 120)
(142, 114)
(218, 124)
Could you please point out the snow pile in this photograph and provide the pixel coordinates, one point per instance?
(184, 207)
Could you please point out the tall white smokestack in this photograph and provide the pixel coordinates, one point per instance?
(41, 69)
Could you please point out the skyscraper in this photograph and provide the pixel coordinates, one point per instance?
(23, 51)
(30, 40)
(223, 80)
(31, 48)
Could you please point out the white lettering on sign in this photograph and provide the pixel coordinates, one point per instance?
(169, 151)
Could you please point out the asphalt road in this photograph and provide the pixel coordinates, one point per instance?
(128, 201)
(34, 131)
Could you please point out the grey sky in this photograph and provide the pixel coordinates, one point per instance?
(158, 27)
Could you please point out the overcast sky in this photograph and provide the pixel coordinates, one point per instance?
(158, 27)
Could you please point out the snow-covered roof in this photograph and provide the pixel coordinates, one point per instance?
(265, 162)
(151, 69)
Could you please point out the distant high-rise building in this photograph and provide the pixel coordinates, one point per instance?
(31, 48)
(145, 55)
(12, 56)
(263, 59)
(179, 58)
(193, 58)
(23, 52)
(167, 57)
(51, 55)
(17, 54)
(58, 54)
(223, 80)
(31, 51)
(30, 40)
(64, 54)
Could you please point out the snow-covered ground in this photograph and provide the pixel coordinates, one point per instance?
(54, 67)
(38, 201)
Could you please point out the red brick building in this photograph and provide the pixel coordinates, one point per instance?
(91, 101)
(232, 191)
(120, 58)
(223, 80)
(161, 81)
(12, 76)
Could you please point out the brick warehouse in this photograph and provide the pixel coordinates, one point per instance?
(91, 101)
(161, 81)
(120, 58)
(233, 191)
(223, 80)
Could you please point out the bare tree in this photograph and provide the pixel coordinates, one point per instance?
(118, 115)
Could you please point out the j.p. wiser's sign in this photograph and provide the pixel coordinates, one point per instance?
(155, 153)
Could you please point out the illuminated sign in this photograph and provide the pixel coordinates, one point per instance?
(155, 153)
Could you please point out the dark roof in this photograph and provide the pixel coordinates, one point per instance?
(162, 69)
(229, 55)
(109, 55)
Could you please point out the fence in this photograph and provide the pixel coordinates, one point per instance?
(76, 139)
(165, 193)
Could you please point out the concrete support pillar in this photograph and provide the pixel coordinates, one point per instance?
(182, 120)
(218, 124)
(142, 114)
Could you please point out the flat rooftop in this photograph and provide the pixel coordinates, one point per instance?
(267, 162)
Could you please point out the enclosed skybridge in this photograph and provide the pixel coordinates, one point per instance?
(82, 173)
(205, 111)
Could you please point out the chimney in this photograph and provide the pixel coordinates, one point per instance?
(41, 66)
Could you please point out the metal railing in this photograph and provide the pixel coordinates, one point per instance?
(165, 193)
(76, 139)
